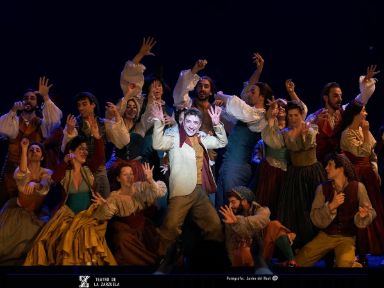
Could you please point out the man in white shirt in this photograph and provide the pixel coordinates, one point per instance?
(34, 118)
(191, 178)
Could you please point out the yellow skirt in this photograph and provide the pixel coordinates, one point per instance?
(69, 239)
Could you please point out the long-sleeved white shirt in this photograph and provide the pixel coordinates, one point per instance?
(9, 123)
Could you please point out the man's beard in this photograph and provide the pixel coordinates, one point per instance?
(30, 110)
(335, 106)
(239, 210)
(203, 97)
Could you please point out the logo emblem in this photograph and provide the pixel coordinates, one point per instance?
(84, 281)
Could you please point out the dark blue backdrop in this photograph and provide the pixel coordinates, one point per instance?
(81, 45)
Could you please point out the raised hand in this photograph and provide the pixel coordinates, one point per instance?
(157, 111)
(199, 65)
(69, 157)
(18, 106)
(258, 60)
(272, 103)
(273, 109)
(146, 47)
(94, 127)
(289, 86)
(229, 216)
(219, 95)
(24, 143)
(44, 87)
(364, 125)
(371, 72)
(164, 168)
(97, 198)
(214, 112)
(111, 110)
(148, 171)
(71, 123)
(219, 102)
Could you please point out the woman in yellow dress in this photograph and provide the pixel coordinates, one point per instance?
(73, 236)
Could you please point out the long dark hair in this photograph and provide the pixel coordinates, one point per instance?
(354, 107)
(213, 86)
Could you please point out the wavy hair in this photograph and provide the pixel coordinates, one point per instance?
(342, 161)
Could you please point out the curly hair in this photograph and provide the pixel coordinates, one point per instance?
(74, 143)
(43, 152)
(118, 165)
(342, 161)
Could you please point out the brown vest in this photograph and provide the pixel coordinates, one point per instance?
(31, 131)
(199, 157)
(343, 224)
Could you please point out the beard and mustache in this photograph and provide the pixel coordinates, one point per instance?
(28, 108)
(203, 96)
(239, 210)
(336, 105)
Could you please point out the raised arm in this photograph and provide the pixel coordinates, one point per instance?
(186, 83)
(147, 192)
(220, 139)
(116, 131)
(97, 160)
(255, 77)
(290, 87)
(271, 133)
(69, 131)
(238, 108)
(9, 123)
(23, 157)
(367, 84)
(132, 74)
(51, 113)
(145, 50)
(160, 141)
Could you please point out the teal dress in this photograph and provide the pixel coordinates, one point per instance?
(79, 200)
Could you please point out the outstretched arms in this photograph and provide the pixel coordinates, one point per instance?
(145, 49)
